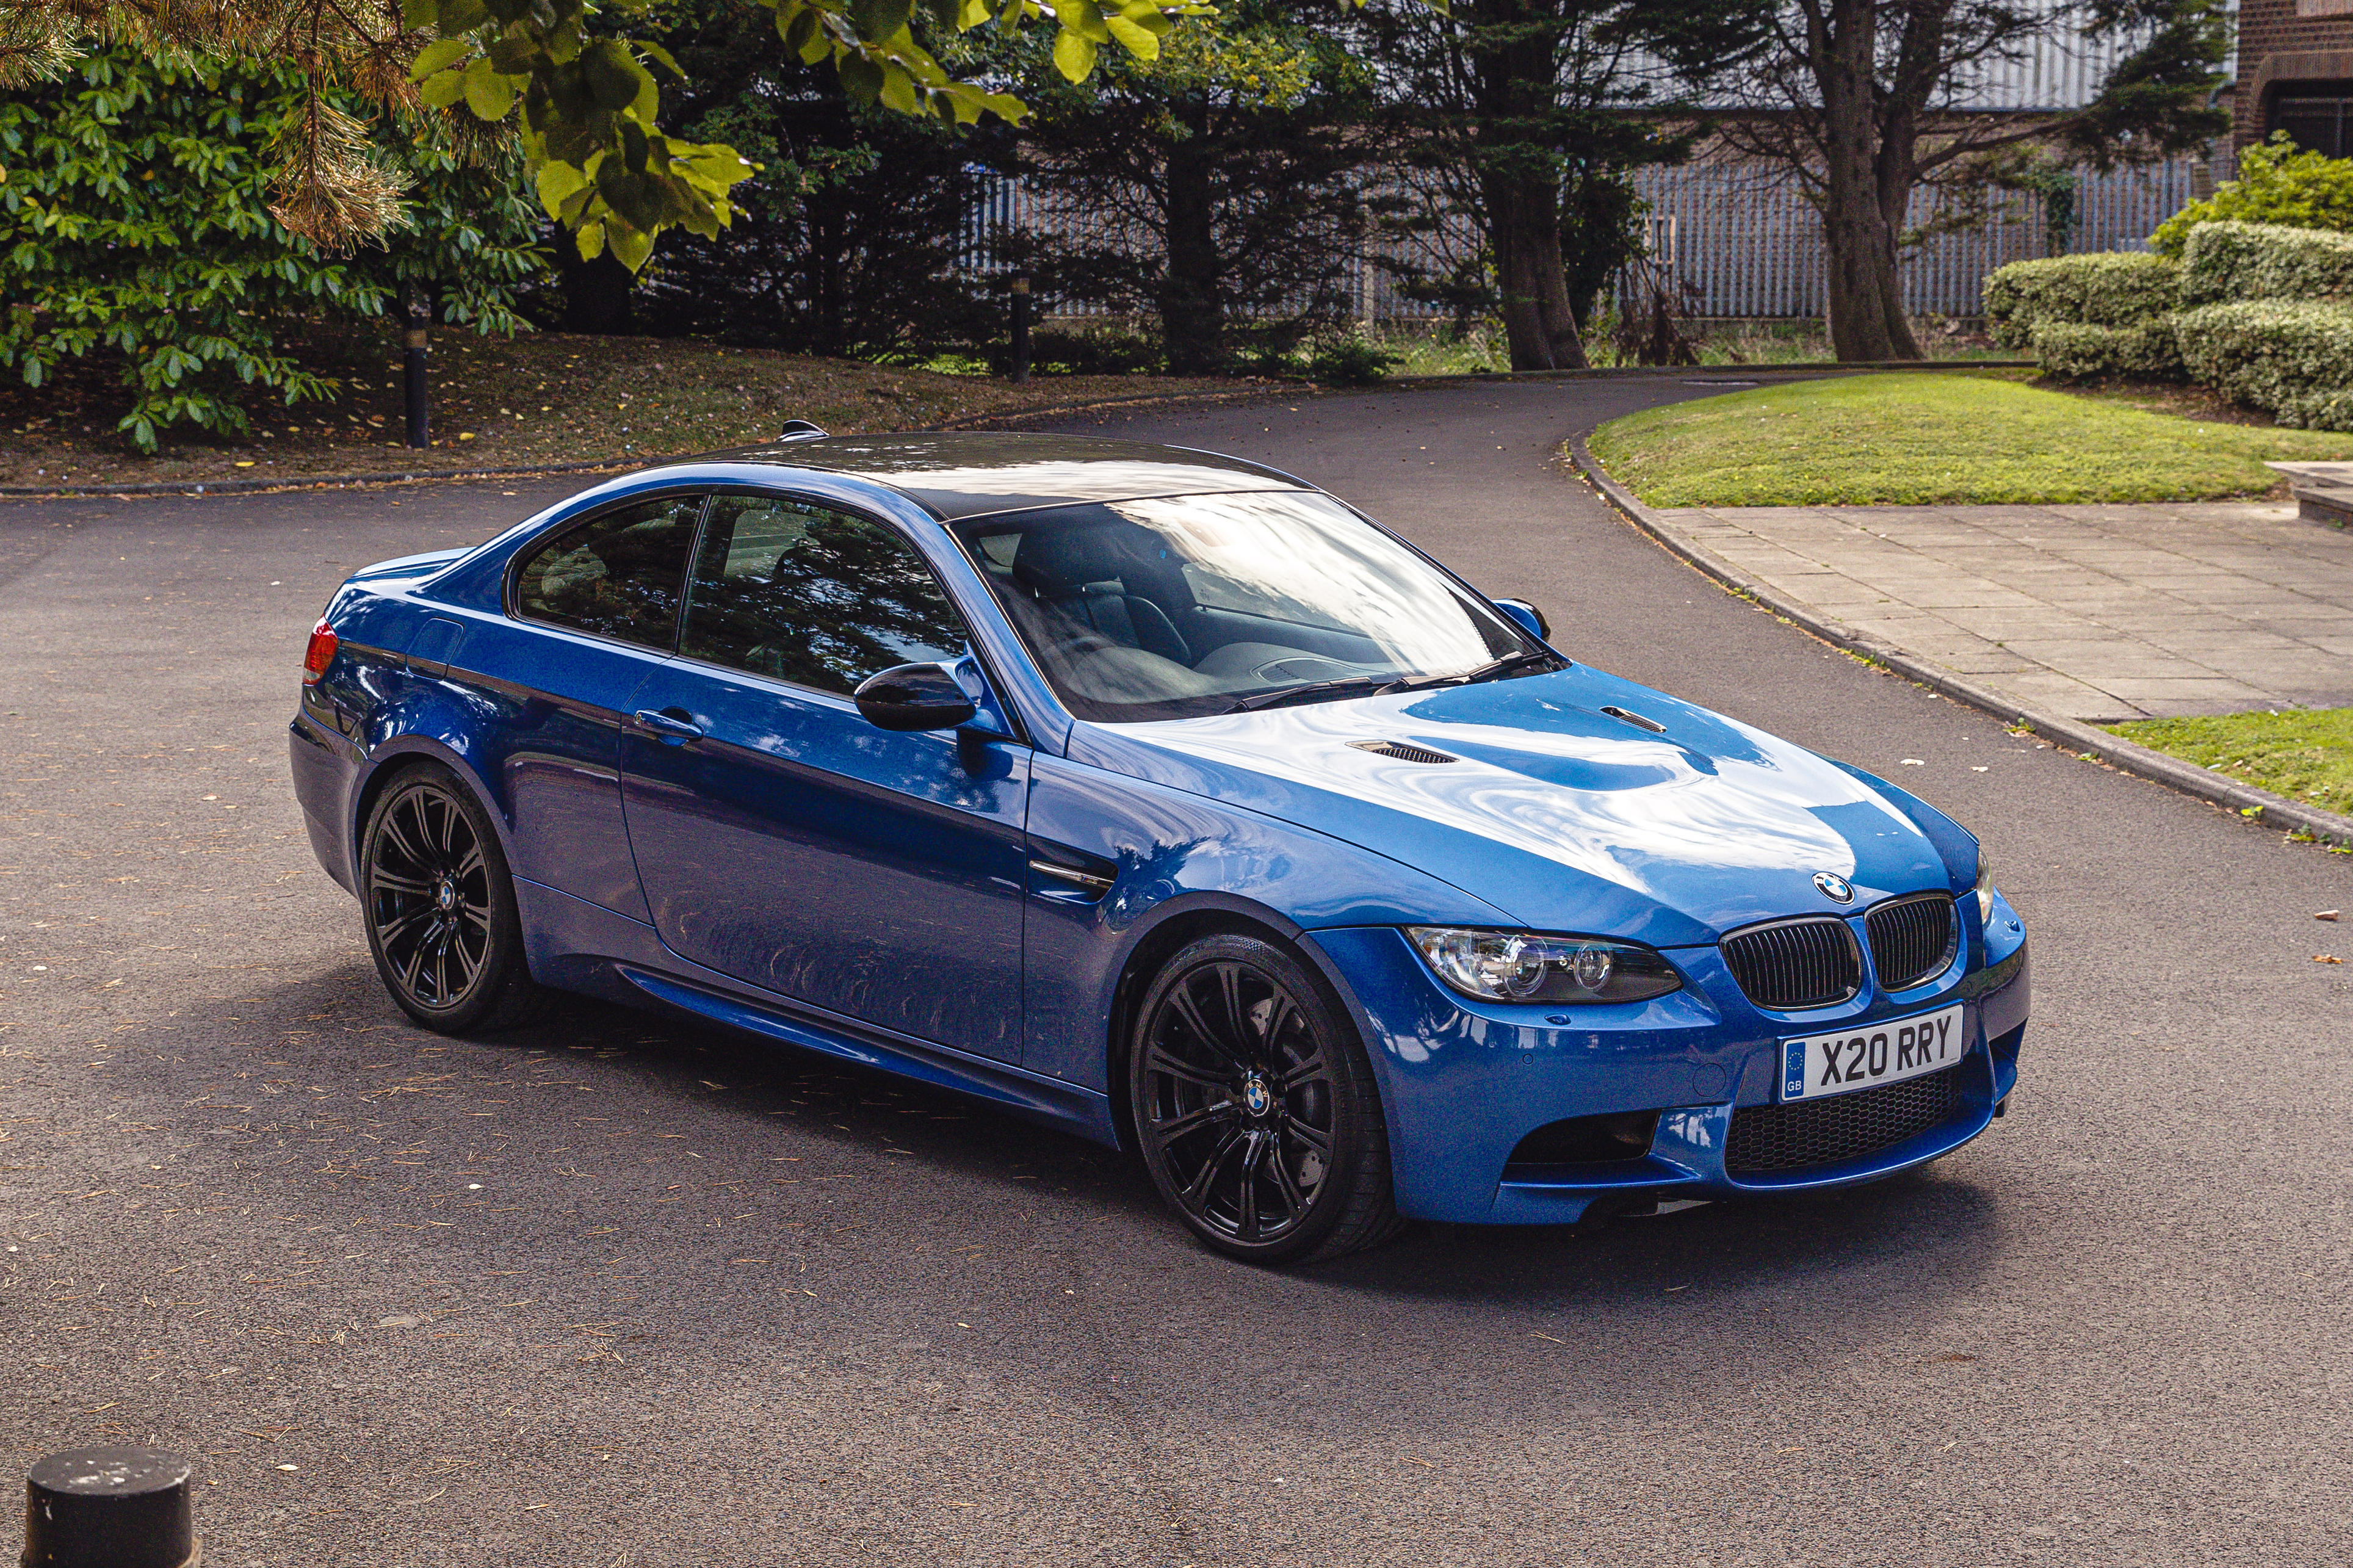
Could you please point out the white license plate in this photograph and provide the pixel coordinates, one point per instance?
(1822, 1065)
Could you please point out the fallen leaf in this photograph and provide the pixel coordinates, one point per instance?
(2326, 915)
(2325, 958)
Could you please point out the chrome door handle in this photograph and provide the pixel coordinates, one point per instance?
(668, 726)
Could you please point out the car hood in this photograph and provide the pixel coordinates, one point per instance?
(1567, 818)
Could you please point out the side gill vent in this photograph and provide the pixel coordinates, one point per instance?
(1402, 752)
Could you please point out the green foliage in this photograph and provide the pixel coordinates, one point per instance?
(1228, 164)
(134, 219)
(2327, 408)
(2075, 351)
(2277, 184)
(848, 239)
(2227, 261)
(2108, 289)
(589, 103)
(2270, 354)
(1349, 362)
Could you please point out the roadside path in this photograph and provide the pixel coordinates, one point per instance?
(2099, 613)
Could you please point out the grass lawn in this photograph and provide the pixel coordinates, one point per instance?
(1953, 438)
(541, 398)
(2305, 753)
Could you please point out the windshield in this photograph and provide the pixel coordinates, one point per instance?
(1191, 604)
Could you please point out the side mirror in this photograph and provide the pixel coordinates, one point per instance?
(1531, 620)
(914, 697)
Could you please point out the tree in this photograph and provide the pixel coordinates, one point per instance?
(1531, 113)
(848, 240)
(132, 219)
(582, 102)
(1865, 100)
(1225, 164)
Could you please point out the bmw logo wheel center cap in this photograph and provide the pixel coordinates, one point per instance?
(1835, 888)
(1257, 1098)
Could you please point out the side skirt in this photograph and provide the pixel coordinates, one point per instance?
(579, 946)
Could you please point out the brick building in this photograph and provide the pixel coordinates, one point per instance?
(2296, 74)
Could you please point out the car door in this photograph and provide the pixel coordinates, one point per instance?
(592, 610)
(784, 840)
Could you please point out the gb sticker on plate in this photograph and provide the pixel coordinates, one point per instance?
(1822, 1065)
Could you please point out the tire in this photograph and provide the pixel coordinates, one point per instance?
(440, 904)
(1254, 1107)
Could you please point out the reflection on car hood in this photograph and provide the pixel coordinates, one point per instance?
(1567, 818)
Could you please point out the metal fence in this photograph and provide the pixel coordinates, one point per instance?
(1749, 245)
(1741, 240)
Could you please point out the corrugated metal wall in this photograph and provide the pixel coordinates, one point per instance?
(1744, 240)
(1751, 245)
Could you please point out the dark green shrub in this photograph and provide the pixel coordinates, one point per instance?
(2105, 288)
(135, 221)
(2236, 261)
(2290, 356)
(2075, 351)
(1349, 362)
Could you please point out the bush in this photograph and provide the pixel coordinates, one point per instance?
(2277, 184)
(1084, 351)
(2075, 351)
(2331, 410)
(2108, 289)
(2227, 261)
(135, 221)
(2279, 355)
(1349, 362)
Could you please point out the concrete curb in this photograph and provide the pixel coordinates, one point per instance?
(2127, 756)
(1051, 411)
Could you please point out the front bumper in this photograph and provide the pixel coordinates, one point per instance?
(1464, 1082)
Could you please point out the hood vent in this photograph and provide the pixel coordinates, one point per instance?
(1402, 752)
(1640, 721)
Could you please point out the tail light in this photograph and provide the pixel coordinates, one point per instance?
(319, 653)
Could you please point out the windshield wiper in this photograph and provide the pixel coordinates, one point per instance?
(1365, 684)
(1506, 664)
(1382, 686)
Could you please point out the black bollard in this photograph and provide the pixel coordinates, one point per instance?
(1020, 330)
(109, 1508)
(419, 310)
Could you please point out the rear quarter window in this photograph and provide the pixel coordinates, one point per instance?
(620, 574)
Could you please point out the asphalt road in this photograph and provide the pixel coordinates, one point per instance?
(616, 1293)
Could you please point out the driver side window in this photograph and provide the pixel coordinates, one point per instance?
(814, 597)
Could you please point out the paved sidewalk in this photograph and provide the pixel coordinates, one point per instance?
(2093, 613)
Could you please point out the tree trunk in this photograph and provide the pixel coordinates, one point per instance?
(1517, 88)
(1866, 301)
(1523, 229)
(1192, 306)
(596, 293)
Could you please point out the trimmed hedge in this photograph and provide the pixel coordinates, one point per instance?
(2227, 262)
(2105, 288)
(2317, 410)
(2075, 351)
(2286, 355)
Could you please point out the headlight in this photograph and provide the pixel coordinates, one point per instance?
(1513, 966)
(1985, 886)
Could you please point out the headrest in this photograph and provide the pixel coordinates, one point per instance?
(1070, 557)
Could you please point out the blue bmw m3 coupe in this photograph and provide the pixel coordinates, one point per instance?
(1162, 798)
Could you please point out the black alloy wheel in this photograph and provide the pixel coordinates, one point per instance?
(1254, 1107)
(441, 917)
